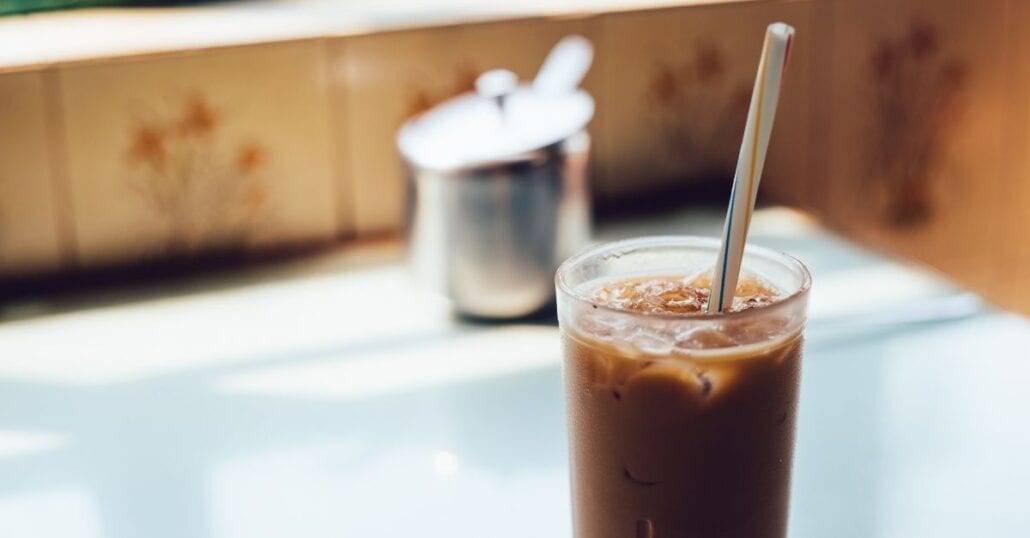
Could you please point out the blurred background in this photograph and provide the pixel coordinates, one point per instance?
(203, 290)
(903, 126)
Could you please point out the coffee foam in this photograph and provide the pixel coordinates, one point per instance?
(673, 321)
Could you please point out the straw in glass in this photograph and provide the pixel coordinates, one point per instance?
(764, 97)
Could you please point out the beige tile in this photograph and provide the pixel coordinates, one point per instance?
(788, 174)
(377, 94)
(224, 147)
(1014, 294)
(819, 105)
(918, 105)
(29, 212)
(339, 120)
(678, 83)
(1010, 285)
(1019, 104)
(394, 75)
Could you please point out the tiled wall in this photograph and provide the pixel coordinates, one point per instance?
(1011, 267)
(223, 147)
(903, 124)
(29, 230)
(927, 135)
(676, 87)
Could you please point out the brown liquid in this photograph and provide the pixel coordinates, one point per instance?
(690, 442)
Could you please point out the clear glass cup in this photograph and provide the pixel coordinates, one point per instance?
(680, 424)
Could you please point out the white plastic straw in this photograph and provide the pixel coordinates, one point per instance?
(766, 94)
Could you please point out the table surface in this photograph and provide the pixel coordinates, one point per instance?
(306, 404)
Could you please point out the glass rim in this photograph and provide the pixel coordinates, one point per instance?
(681, 241)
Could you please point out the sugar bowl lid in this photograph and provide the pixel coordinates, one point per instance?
(503, 121)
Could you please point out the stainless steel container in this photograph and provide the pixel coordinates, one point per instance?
(497, 185)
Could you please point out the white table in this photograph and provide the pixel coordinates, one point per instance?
(313, 406)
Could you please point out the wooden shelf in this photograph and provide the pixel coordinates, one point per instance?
(40, 39)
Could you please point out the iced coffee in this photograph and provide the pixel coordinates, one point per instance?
(681, 423)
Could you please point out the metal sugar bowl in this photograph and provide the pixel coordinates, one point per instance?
(497, 186)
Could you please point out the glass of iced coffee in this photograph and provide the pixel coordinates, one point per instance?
(681, 422)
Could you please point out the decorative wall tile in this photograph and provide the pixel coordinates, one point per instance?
(679, 83)
(392, 76)
(819, 105)
(905, 124)
(225, 148)
(919, 97)
(340, 132)
(29, 233)
(1010, 270)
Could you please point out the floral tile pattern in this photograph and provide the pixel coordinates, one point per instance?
(203, 192)
(919, 93)
(682, 79)
(227, 149)
(29, 215)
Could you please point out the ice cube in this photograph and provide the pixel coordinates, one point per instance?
(702, 338)
(651, 343)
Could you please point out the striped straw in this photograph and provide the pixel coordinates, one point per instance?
(775, 53)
